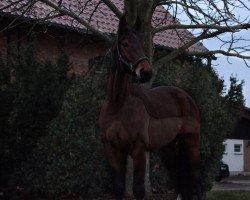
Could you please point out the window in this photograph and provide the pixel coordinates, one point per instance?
(225, 148)
(237, 148)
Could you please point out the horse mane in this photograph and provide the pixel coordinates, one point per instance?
(118, 80)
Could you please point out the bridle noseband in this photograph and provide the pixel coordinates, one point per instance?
(133, 65)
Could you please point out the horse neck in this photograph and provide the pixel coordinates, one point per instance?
(118, 87)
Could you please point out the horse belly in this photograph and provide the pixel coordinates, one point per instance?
(163, 131)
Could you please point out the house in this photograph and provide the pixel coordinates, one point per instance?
(237, 146)
(62, 34)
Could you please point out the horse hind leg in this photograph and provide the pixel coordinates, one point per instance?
(168, 155)
(139, 163)
(117, 163)
(175, 158)
(194, 160)
(184, 183)
(190, 154)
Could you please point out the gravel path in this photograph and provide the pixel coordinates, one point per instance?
(239, 185)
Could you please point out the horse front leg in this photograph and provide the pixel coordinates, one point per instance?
(117, 162)
(139, 164)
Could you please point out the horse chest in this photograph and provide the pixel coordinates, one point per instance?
(125, 126)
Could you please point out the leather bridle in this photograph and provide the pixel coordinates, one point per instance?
(133, 65)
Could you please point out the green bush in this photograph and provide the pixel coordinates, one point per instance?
(69, 160)
(7, 96)
(31, 96)
(50, 141)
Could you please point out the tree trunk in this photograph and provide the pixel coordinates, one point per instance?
(145, 16)
(147, 175)
(129, 177)
(141, 10)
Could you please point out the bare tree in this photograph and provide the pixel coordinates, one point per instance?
(205, 19)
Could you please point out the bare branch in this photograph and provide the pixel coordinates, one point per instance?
(183, 49)
(203, 26)
(187, 7)
(23, 8)
(113, 8)
(11, 4)
(96, 7)
(78, 19)
(206, 19)
(225, 53)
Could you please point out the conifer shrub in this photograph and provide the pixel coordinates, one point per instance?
(68, 161)
(31, 94)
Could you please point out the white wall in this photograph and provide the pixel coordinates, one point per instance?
(232, 156)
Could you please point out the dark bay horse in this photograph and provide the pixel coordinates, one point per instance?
(134, 120)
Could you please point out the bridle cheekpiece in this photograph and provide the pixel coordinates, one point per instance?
(133, 65)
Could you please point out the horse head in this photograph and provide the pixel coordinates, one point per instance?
(130, 52)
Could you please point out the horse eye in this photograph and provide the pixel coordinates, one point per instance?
(125, 44)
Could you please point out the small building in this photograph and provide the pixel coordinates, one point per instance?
(63, 34)
(237, 147)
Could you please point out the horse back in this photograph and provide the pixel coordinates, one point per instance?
(167, 101)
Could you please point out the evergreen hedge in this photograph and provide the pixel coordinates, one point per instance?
(50, 141)
(31, 95)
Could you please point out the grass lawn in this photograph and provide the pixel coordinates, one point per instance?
(247, 177)
(228, 195)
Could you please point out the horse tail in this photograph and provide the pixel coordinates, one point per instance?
(194, 111)
(188, 106)
(184, 178)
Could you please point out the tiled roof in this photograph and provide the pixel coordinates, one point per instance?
(102, 19)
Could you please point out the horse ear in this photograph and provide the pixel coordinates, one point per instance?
(123, 25)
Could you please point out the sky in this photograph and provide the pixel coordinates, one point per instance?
(226, 67)
(236, 67)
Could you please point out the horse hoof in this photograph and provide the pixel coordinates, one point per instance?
(179, 197)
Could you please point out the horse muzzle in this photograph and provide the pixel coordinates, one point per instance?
(143, 71)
